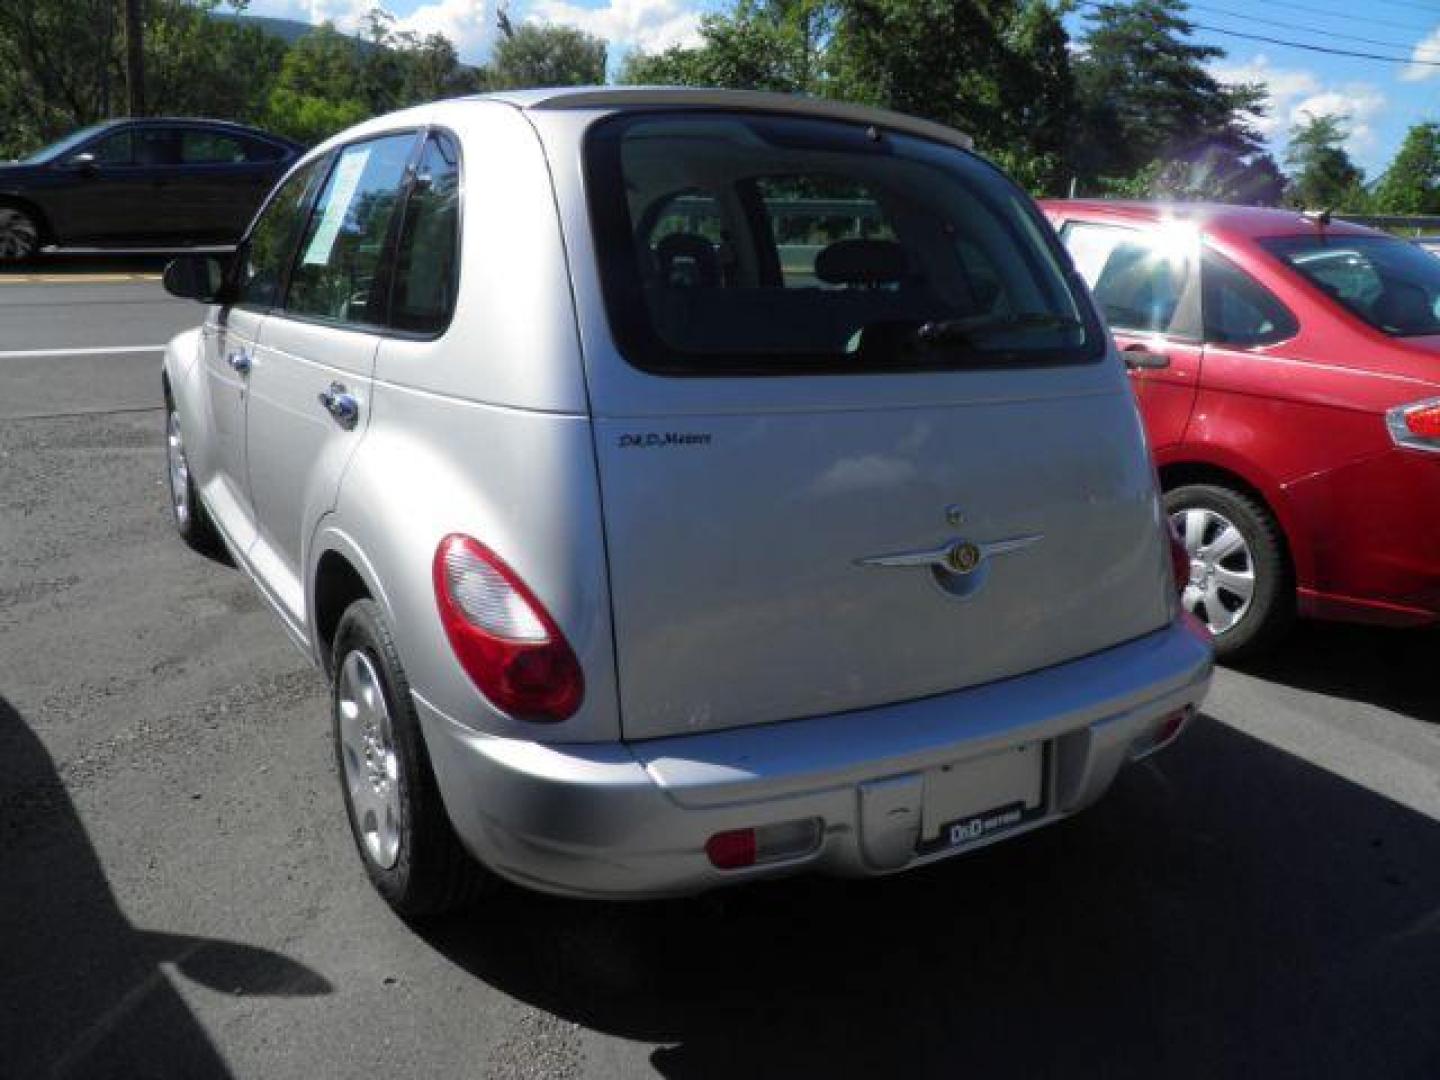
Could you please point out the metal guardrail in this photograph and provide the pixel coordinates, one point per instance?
(1420, 223)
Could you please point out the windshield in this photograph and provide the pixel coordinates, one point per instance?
(763, 244)
(63, 146)
(1391, 284)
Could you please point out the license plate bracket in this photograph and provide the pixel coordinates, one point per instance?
(969, 801)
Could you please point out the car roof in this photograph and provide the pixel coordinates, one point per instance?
(641, 97)
(201, 121)
(1224, 218)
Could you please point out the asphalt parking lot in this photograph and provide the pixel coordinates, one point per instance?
(178, 896)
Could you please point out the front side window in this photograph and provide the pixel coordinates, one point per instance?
(1238, 309)
(427, 257)
(265, 254)
(760, 244)
(136, 146)
(1142, 279)
(1391, 284)
(336, 273)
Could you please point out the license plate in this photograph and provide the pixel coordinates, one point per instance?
(967, 801)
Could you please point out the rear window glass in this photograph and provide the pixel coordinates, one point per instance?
(1391, 284)
(761, 244)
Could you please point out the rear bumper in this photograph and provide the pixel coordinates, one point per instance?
(618, 819)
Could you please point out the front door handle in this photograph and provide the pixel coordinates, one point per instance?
(341, 404)
(1138, 357)
(239, 360)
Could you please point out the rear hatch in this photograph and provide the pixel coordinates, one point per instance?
(896, 462)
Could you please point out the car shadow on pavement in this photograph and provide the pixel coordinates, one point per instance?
(1228, 910)
(83, 992)
(1394, 669)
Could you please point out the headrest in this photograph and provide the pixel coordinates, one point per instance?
(705, 263)
(861, 262)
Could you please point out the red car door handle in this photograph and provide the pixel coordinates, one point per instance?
(1138, 357)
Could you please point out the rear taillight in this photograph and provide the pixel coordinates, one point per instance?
(503, 637)
(1416, 425)
(1179, 558)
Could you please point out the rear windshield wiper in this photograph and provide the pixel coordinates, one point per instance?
(963, 331)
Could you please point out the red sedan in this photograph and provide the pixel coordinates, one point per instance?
(1288, 371)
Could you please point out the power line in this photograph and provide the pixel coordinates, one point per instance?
(1289, 44)
(1326, 13)
(1299, 29)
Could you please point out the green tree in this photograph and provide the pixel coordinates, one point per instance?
(322, 87)
(1412, 183)
(1323, 177)
(238, 62)
(775, 45)
(1146, 97)
(532, 55)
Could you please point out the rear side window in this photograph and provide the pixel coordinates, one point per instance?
(201, 147)
(1143, 280)
(759, 244)
(1390, 283)
(427, 266)
(336, 276)
(1238, 309)
(266, 253)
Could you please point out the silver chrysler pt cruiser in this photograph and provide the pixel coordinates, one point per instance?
(680, 487)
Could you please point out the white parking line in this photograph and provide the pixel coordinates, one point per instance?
(102, 351)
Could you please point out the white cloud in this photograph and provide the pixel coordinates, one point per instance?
(650, 25)
(469, 24)
(1297, 93)
(1427, 49)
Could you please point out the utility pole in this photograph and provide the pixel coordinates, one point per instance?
(134, 57)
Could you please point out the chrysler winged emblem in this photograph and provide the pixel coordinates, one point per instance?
(955, 556)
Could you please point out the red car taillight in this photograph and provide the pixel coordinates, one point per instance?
(503, 637)
(1179, 558)
(1416, 425)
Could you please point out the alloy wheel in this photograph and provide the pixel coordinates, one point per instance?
(18, 235)
(179, 469)
(367, 750)
(1222, 568)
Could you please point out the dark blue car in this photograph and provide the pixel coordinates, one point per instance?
(152, 184)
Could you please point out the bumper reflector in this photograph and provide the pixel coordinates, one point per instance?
(1162, 734)
(739, 848)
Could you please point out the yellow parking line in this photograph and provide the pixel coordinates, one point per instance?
(74, 279)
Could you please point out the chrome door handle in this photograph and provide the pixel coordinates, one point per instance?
(1137, 357)
(239, 359)
(341, 404)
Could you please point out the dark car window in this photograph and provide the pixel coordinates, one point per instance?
(1142, 279)
(1238, 309)
(139, 147)
(260, 149)
(201, 147)
(61, 148)
(735, 291)
(337, 267)
(427, 256)
(267, 252)
(1388, 282)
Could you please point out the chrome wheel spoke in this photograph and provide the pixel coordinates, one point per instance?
(1217, 615)
(1192, 528)
(1236, 583)
(1227, 543)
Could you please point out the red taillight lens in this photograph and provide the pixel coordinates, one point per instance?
(503, 637)
(1179, 559)
(1417, 425)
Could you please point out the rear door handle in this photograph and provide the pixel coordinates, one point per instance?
(1139, 358)
(341, 404)
(239, 360)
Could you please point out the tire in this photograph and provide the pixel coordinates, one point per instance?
(19, 236)
(397, 818)
(1243, 626)
(192, 520)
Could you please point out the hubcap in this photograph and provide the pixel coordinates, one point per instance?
(18, 235)
(367, 750)
(1222, 570)
(179, 469)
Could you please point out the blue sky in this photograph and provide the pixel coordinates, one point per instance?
(1381, 99)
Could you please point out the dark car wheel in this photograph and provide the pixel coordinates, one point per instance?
(401, 829)
(19, 235)
(1240, 582)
